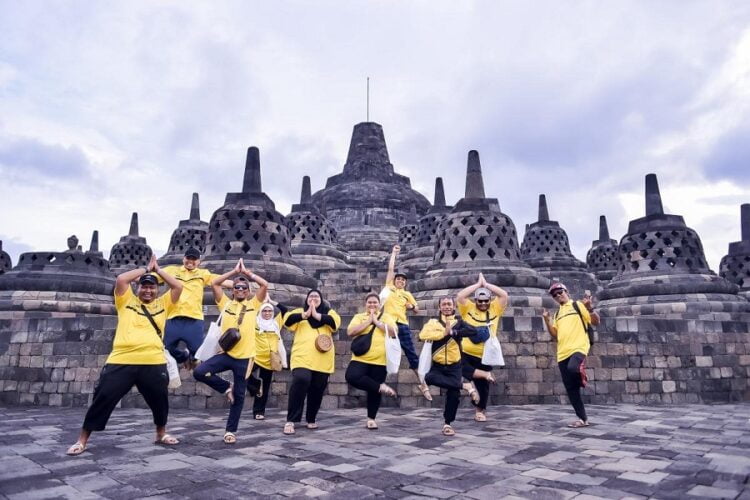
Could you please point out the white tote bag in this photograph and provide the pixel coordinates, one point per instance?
(493, 353)
(384, 294)
(425, 360)
(210, 345)
(392, 353)
(173, 370)
(282, 353)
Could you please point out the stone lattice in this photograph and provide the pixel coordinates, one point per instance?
(603, 258)
(421, 257)
(190, 233)
(131, 251)
(735, 266)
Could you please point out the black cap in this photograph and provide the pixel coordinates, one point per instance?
(148, 279)
(192, 253)
(400, 274)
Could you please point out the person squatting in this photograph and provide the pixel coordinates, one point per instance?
(150, 328)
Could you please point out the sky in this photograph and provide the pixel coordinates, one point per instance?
(107, 108)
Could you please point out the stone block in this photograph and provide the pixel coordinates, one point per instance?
(668, 386)
(619, 374)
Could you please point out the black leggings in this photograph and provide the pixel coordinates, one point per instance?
(306, 384)
(572, 369)
(447, 377)
(116, 381)
(470, 363)
(368, 378)
(264, 379)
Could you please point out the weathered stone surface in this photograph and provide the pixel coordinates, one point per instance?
(603, 258)
(131, 251)
(190, 233)
(735, 266)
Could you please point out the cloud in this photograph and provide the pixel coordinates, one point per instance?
(21, 157)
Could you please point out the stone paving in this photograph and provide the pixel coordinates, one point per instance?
(692, 451)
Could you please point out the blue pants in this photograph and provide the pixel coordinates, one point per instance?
(206, 373)
(407, 345)
(188, 330)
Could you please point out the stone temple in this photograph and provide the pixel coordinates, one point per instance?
(672, 330)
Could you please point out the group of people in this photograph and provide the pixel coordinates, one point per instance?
(250, 324)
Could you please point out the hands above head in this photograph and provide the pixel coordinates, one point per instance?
(153, 265)
(396, 249)
(238, 267)
(482, 281)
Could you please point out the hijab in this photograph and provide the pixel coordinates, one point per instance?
(323, 308)
(266, 325)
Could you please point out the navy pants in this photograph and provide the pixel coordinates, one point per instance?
(407, 345)
(207, 371)
(573, 371)
(470, 363)
(188, 330)
(116, 381)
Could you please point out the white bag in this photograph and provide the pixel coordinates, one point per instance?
(425, 360)
(173, 371)
(392, 353)
(210, 345)
(493, 353)
(282, 353)
(384, 294)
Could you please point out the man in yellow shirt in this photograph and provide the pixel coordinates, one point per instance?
(399, 301)
(185, 322)
(484, 315)
(137, 357)
(569, 327)
(239, 314)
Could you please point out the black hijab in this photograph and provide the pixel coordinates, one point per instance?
(323, 308)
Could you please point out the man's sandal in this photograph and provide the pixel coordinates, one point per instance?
(388, 391)
(425, 391)
(289, 428)
(371, 425)
(480, 417)
(167, 440)
(448, 430)
(76, 449)
(230, 438)
(578, 423)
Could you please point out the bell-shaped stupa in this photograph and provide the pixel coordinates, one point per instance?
(407, 233)
(421, 256)
(190, 233)
(602, 258)
(735, 266)
(131, 251)
(5, 262)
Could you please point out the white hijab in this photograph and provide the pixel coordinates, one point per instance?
(266, 325)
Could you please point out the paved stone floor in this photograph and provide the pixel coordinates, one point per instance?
(695, 451)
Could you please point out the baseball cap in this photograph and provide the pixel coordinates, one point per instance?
(557, 286)
(401, 274)
(482, 294)
(148, 279)
(192, 253)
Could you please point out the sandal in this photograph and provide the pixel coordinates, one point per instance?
(312, 426)
(425, 391)
(289, 428)
(229, 393)
(384, 389)
(480, 416)
(260, 417)
(230, 438)
(371, 425)
(491, 378)
(448, 430)
(473, 393)
(167, 440)
(578, 423)
(76, 449)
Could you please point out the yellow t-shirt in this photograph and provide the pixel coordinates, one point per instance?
(136, 341)
(395, 304)
(433, 330)
(475, 317)
(245, 347)
(304, 353)
(376, 354)
(571, 335)
(265, 344)
(193, 282)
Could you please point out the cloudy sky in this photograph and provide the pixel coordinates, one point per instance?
(112, 107)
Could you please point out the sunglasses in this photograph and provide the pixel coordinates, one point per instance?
(558, 292)
(241, 287)
(483, 301)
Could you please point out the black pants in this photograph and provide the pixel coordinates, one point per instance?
(572, 369)
(470, 363)
(115, 381)
(263, 379)
(368, 378)
(306, 384)
(447, 377)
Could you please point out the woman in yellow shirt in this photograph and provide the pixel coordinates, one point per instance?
(366, 370)
(310, 365)
(445, 371)
(267, 335)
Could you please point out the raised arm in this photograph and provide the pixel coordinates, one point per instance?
(123, 280)
(218, 282)
(463, 295)
(501, 295)
(174, 285)
(548, 323)
(392, 264)
(588, 302)
(260, 295)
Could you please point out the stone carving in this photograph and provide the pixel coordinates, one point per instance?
(546, 248)
(73, 246)
(131, 251)
(603, 258)
(735, 266)
(5, 262)
(189, 233)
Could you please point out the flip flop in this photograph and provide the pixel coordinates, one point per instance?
(76, 449)
(425, 391)
(312, 426)
(480, 417)
(167, 440)
(388, 391)
(260, 417)
(448, 430)
(230, 438)
(371, 425)
(289, 428)
(578, 423)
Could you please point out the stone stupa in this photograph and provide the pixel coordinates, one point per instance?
(189, 233)
(131, 251)
(602, 258)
